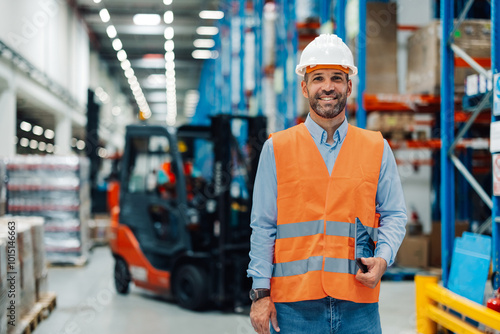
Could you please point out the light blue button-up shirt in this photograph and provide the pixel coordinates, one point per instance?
(390, 203)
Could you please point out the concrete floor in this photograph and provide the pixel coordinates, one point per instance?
(88, 304)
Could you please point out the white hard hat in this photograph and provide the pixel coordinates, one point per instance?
(326, 49)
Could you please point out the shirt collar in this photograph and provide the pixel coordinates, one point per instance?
(319, 134)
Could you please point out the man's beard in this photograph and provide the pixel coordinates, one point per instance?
(328, 110)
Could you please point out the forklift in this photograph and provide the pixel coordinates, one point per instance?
(182, 225)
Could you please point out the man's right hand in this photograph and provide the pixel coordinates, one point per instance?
(261, 312)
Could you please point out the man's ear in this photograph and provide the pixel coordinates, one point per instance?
(349, 88)
(304, 89)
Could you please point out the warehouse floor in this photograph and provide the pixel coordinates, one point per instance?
(88, 304)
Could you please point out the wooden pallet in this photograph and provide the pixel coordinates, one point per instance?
(40, 311)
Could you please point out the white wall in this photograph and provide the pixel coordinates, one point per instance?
(49, 35)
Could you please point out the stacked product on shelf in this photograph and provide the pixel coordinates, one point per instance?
(4, 304)
(57, 189)
(473, 36)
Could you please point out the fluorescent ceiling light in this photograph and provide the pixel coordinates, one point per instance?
(129, 73)
(97, 1)
(41, 146)
(167, 2)
(33, 144)
(25, 126)
(204, 43)
(211, 14)
(111, 31)
(168, 17)
(126, 64)
(24, 142)
(104, 14)
(80, 144)
(210, 31)
(37, 130)
(169, 33)
(169, 56)
(49, 134)
(122, 55)
(116, 111)
(117, 44)
(147, 19)
(132, 79)
(169, 45)
(169, 66)
(201, 54)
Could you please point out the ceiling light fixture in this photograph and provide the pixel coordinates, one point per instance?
(147, 19)
(210, 31)
(169, 33)
(25, 126)
(116, 111)
(121, 55)
(169, 56)
(211, 14)
(169, 45)
(111, 31)
(204, 43)
(125, 64)
(49, 134)
(168, 17)
(38, 130)
(117, 44)
(167, 2)
(104, 14)
(24, 142)
(201, 54)
(97, 1)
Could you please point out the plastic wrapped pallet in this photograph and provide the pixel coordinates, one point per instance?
(13, 279)
(3, 286)
(40, 259)
(26, 259)
(57, 189)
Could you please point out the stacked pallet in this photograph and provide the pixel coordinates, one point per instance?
(23, 263)
(4, 304)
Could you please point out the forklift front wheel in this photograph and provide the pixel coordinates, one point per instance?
(122, 276)
(190, 287)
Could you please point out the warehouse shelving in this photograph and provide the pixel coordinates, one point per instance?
(448, 158)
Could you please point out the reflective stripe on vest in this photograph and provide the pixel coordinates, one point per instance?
(303, 229)
(315, 237)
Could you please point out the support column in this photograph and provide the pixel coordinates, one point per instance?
(63, 135)
(495, 68)
(8, 124)
(447, 138)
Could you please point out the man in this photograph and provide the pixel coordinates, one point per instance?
(314, 181)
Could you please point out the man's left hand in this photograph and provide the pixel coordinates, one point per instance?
(376, 268)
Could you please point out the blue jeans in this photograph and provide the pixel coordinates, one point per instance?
(328, 316)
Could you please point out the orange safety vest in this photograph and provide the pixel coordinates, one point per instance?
(314, 248)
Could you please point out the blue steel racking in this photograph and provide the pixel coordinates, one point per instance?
(448, 158)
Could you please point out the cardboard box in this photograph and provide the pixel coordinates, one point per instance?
(435, 240)
(414, 252)
(424, 77)
(380, 41)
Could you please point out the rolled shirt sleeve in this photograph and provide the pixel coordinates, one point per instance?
(391, 207)
(263, 219)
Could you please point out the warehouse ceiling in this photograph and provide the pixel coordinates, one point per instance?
(145, 46)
